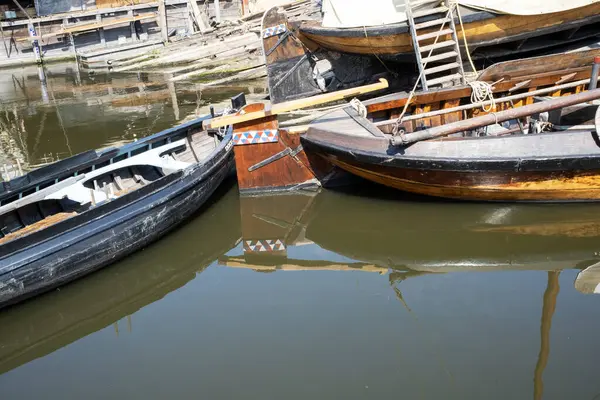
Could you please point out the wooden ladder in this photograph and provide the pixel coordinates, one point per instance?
(444, 54)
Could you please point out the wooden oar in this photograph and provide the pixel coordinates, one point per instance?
(496, 117)
(295, 105)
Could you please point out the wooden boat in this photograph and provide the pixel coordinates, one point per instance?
(488, 34)
(38, 328)
(68, 219)
(505, 165)
(280, 162)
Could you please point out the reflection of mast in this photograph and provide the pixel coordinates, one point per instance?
(548, 308)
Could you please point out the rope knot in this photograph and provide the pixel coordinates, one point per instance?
(482, 92)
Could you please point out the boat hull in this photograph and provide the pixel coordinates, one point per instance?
(83, 244)
(482, 29)
(473, 169)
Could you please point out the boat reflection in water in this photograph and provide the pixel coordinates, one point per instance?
(332, 231)
(44, 324)
(411, 239)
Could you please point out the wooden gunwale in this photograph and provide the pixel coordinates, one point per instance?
(16, 188)
(481, 29)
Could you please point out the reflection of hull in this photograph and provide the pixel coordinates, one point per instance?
(588, 280)
(444, 237)
(37, 328)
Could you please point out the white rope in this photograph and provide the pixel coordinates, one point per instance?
(464, 35)
(222, 130)
(481, 92)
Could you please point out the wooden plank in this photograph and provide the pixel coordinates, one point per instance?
(93, 26)
(81, 14)
(536, 65)
(198, 16)
(276, 109)
(162, 21)
(397, 101)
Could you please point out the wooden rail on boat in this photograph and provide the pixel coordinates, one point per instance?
(484, 32)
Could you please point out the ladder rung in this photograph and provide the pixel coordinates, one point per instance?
(438, 45)
(429, 11)
(441, 68)
(439, 57)
(434, 22)
(443, 79)
(434, 34)
(416, 3)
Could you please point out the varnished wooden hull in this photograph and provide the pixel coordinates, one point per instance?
(482, 29)
(544, 167)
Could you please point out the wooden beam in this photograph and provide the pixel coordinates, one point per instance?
(22, 9)
(296, 105)
(162, 21)
(93, 26)
(198, 18)
(80, 14)
(217, 11)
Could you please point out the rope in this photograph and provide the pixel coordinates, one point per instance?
(222, 130)
(481, 92)
(464, 35)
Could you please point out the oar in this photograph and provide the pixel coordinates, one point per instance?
(295, 105)
(496, 117)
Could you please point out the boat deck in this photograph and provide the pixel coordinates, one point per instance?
(348, 121)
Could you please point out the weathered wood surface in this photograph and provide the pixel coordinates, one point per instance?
(289, 69)
(556, 103)
(286, 172)
(93, 26)
(295, 105)
(395, 39)
(455, 103)
(539, 167)
(534, 66)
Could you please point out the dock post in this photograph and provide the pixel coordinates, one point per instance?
(100, 30)
(3, 41)
(217, 11)
(34, 43)
(245, 8)
(595, 71)
(132, 26)
(162, 21)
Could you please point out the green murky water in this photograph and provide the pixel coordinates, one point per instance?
(365, 294)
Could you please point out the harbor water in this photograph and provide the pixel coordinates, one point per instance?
(356, 293)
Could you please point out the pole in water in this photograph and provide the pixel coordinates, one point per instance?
(595, 71)
(34, 43)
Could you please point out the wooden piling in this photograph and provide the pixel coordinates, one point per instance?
(162, 21)
(217, 11)
(100, 30)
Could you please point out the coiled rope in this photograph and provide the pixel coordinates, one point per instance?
(481, 92)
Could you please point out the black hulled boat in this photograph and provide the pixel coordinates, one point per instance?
(70, 218)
